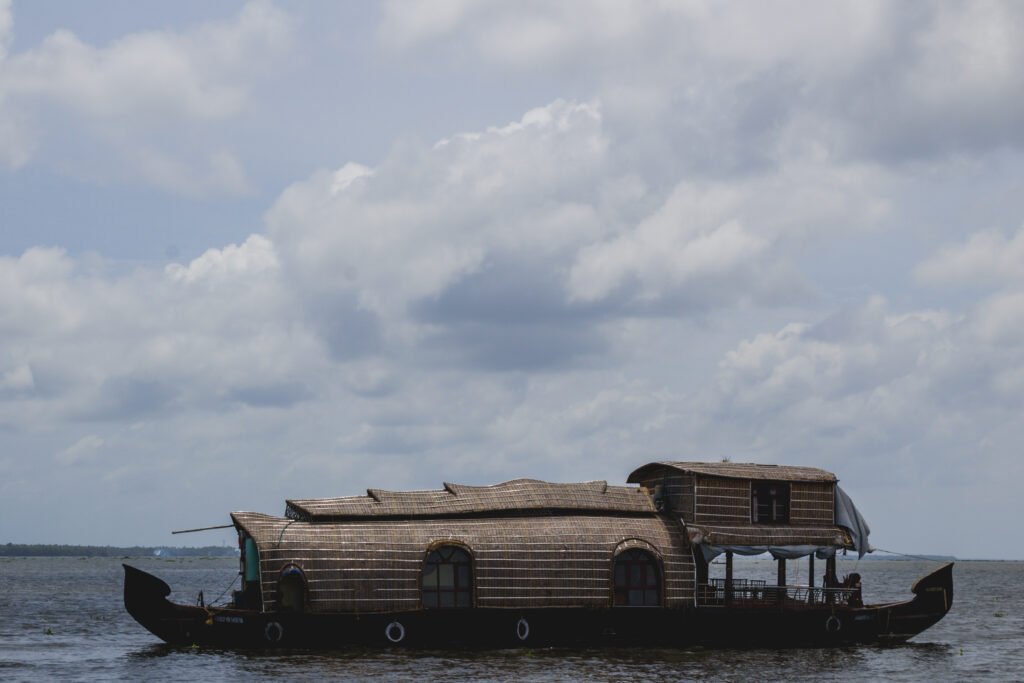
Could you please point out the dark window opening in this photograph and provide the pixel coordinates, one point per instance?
(448, 578)
(637, 579)
(769, 502)
(291, 589)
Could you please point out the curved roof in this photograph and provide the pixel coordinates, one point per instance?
(460, 499)
(737, 470)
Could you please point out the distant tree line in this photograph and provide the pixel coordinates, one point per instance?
(47, 550)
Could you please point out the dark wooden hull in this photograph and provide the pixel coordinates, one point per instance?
(145, 598)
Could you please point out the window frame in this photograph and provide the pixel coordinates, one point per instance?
(461, 562)
(649, 579)
(775, 498)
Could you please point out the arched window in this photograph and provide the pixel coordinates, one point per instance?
(291, 589)
(448, 578)
(637, 579)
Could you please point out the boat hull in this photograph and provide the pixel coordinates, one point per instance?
(717, 626)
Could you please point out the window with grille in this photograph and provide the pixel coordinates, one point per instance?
(448, 578)
(637, 579)
(769, 502)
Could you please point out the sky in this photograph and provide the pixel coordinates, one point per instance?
(252, 251)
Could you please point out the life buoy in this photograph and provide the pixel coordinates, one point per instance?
(522, 629)
(273, 632)
(394, 632)
(832, 624)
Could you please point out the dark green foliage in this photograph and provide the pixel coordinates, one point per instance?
(48, 550)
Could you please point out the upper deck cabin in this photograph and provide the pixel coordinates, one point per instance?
(746, 504)
(751, 509)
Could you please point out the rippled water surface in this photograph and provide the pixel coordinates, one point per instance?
(63, 618)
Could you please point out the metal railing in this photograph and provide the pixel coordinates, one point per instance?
(754, 593)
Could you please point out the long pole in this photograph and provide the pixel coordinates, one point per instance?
(204, 528)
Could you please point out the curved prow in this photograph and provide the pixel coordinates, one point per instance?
(936, 589)
(933, 596)
(145, 598)
(140, 586)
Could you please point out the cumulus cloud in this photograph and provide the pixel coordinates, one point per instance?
(893, 402)
(84, 344)
(131, 97)
(988, 258)
(371, 245)
(82, 449)
(729, 86)
(6, 24)
(869, 386)
(517, 242)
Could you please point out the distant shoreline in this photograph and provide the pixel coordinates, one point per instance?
(55, 550)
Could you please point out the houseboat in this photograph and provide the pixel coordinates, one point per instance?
(530, 563)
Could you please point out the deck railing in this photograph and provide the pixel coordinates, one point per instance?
(754, 593)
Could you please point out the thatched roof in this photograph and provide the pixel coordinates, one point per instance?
(737, 470)
(510, 497)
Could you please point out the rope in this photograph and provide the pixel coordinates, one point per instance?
(915, 557)
(224, 592)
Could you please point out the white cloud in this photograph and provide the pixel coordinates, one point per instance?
(718, 83)
(424, 219)
(6, 26)
(731, 241)
(219, 173)
(409, 22)
(82, 449)
(133, 96)
(80, 343)
(17, 378)
(233, 264)
(868, 385)
(1000, 319)
(987, 258)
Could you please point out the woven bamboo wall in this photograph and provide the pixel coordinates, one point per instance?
(518, 562)
(812, 503)
(721, 501)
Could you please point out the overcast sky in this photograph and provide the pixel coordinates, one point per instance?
(257, 251)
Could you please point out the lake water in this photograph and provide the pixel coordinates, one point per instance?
(63, 618)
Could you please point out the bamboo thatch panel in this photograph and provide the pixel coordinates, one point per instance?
(455, 499)
(738, 470)
(719, 500)
(375, 565)
(812, 503)
(759, 534)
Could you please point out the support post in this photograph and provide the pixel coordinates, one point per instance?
(728, 577)
(810, 570)
(831, 580)
(700, 566)
(782, 579)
